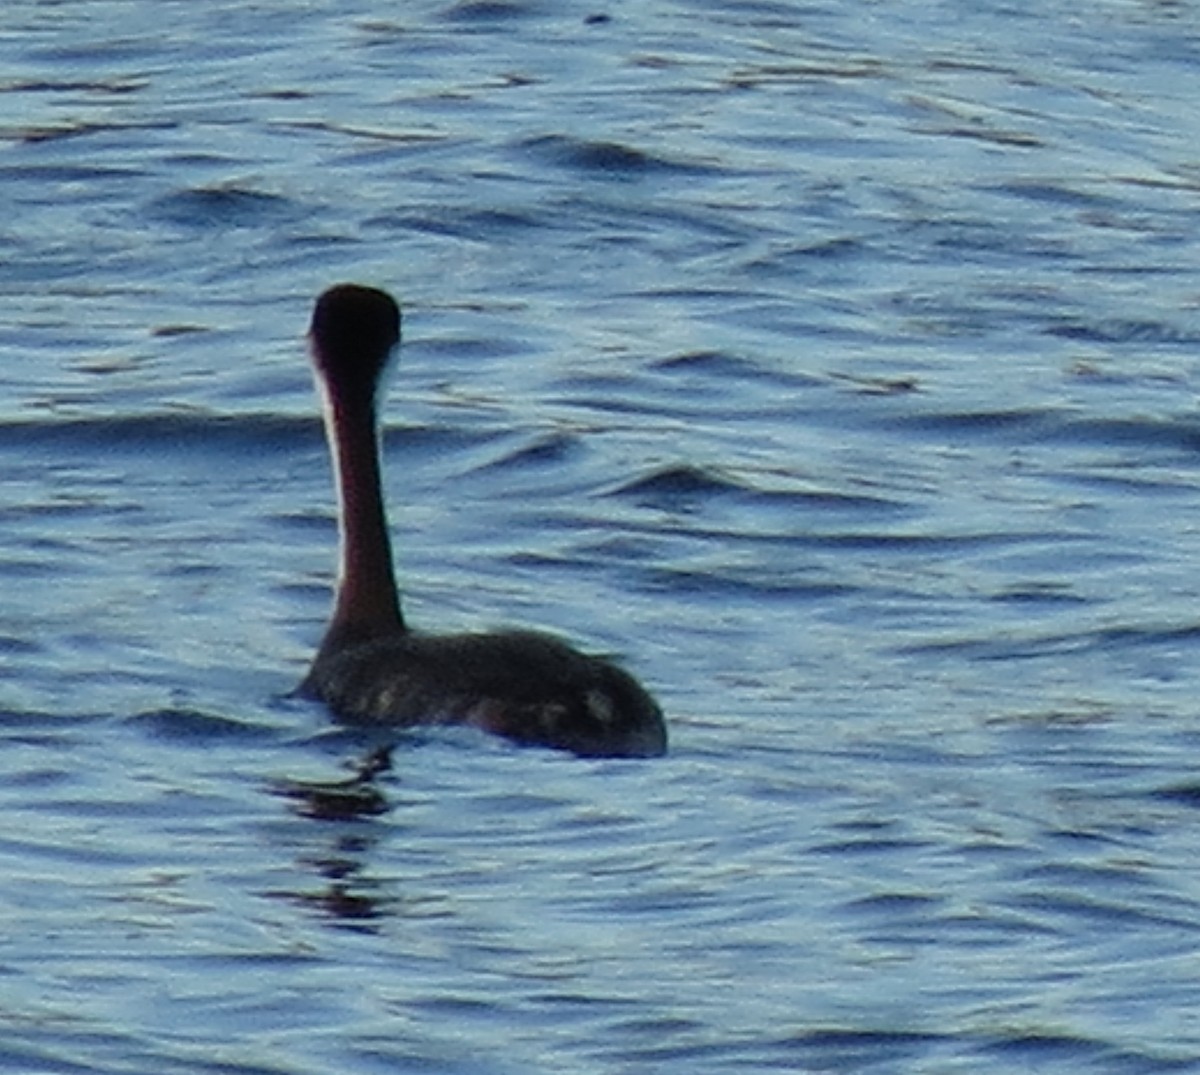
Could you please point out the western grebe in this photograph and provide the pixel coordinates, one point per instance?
(371, 668)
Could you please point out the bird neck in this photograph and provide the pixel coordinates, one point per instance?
(368, 604)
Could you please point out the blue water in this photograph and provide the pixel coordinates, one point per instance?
(833, 365)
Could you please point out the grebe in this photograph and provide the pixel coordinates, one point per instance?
(371, 668)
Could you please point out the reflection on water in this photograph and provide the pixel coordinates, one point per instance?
(346, 891)
(349, 799)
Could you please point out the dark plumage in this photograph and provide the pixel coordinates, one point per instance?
(371, 669)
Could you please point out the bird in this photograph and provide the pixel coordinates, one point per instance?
(371, 669)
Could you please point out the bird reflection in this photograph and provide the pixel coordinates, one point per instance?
(346, 893)
(350, 799)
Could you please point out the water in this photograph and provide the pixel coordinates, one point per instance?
(832, 364)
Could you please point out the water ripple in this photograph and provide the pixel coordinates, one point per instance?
(835, 371)
(226, 206)
(606, 158)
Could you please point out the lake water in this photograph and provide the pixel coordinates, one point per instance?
(834, 365)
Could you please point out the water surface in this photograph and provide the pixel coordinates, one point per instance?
(832, 365)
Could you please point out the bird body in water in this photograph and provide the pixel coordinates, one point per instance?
(371, 668)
